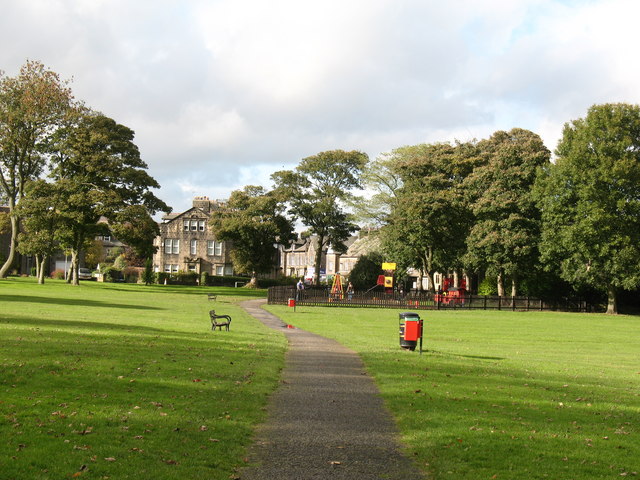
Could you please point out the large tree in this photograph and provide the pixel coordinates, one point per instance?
(504, 239)
(253, 221)
(40, 211)
(99, 168)
(317, 192)
(32, 106)
(429, 219)
(590, 201)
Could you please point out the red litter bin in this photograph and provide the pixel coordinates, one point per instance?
(292, 302)
(410, 330)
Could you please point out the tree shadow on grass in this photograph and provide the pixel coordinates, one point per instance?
(40, 322)
(71, 301)
(478, 357)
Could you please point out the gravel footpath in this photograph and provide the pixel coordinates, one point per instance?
(327, 420)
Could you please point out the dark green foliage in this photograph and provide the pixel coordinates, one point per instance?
(112, 274)
(506, 230)
(253, 221)
(147, 274)
(317, 191)
(429, 218)
(590, 199)
(365, 272)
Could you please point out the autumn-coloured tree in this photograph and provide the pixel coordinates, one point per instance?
(33, 105)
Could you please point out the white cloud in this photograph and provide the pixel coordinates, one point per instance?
(221, 93)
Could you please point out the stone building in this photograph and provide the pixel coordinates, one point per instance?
(186, 243)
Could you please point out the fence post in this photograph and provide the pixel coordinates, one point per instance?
(513, 303)
(528, 302)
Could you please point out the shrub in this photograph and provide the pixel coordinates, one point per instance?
(147, 275)
(161, 277)
(488, 286)
(132, 274)
(58, 274)
(112, 274)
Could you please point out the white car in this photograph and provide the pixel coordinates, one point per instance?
(84, 274)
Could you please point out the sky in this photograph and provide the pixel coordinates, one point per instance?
(222, 93)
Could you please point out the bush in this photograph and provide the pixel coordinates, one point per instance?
(112, 274)
(280, 281)
(185, 278)
(58, 274)
(179, 278)
(132, 274)
(162, 277)
(147, 275)
(488, 286)
(366, 270)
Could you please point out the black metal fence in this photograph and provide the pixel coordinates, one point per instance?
(322, 297)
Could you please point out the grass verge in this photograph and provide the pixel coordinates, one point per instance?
(114, 381)
(503, 395)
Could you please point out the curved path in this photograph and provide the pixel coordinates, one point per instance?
(327, 419)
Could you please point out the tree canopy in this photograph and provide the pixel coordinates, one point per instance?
(505, 235)
(590, 201)
(99, 169)
(429, 219)
(253, 221)
(317, 193)
(33, 105)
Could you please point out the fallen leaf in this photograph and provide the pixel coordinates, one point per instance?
(110, 459)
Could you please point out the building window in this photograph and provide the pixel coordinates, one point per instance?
(171, 246)
(214, 248)
(220, 270)
(194, 246)
(228, 270)
(186, 225)
(171, 268)
(194, 225)
(201, 225)
(192, 267)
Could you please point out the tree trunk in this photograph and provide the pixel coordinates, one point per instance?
(37, 260)
(4, 271)
(514, 287)
(500, 285)
(419, 282)
(73, 274)
(318, 262)
(456, 279)
(432, 282)
(612, 300)
(42, 269)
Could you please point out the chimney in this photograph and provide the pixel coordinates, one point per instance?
(202, 203)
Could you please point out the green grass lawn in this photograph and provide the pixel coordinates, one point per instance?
(114, 381)
(503, 395)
